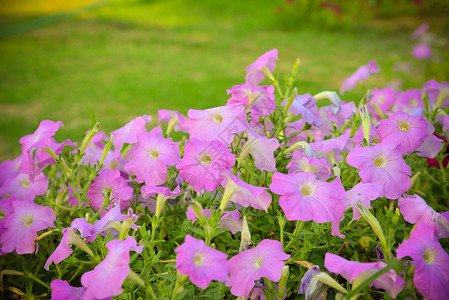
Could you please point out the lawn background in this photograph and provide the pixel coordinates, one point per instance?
(110, 61)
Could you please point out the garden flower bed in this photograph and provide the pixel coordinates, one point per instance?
(273, 195)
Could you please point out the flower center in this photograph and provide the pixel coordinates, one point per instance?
(404, 126)
(205, 158)
(258, 262)
(28, 220)
(198, 259)
(380, 161)
(153, 153)
(25, 183)
(2, 214)
(429, 256)
(217, 117)
(307, 189)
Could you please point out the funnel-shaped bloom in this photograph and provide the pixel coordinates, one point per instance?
(304, 163)
(354, 271)
(305, 198)
(305, 105)
(255, 75)
(360, 75)
(431, 261)
(437, 93)
(61, 289)
(173, 117)
(415, 210)
(41, 137)
(218, 123)
(108, 276)
(382, 164)
(431, 145)
(128, 133)
(261, 148)
(203, 164)
(383, 99)
(266, 260)
(364, 192)
(258, 100)
(22, 225)
(24, 187)
(202, 263)
(409, 132)
(108, 181)
(151, 156)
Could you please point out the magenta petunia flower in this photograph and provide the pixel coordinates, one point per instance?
(409, 132)
(255, 75)
(246, 194)
(9, 169)
(266, 260)
(113, 214)
(25, 188)
(41, 137)
(437, 92)
(258, 100)
(5, 211)
(360, 75)
(128, 133)
(22, 225)
(172, 116)
(203, 164)
(305, 198)
(218, 123)
(384, 99)
(365, 192)
(305, 105)
(61, 289)
(410, 101)
(303, 163)
(151, 156)
(431, 145)
(382, 164)
(106, 279)
(108, 181)
(431, 261)
(331, 149)
(261, 148)
(414, 209)
(356, 271)
(202, 263)
(422, 51)
(329, 118)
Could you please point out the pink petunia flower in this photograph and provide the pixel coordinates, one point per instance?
(203, 164)
(366, 192)
(384, 99)
(437, 92)
(305, 105)
(261, 148)
(108, 181)
(106, 222)
(151, 157)
(22, 225)
(218, 123)
(414, 209)
(303, 163)
(431, 261)
(382, 164)
(410, 101)
(360, 75)
(330, 149)
(255, 75)
(266, 260)
(61, 289)
(41, 137)
(353, 270)
(106, 279)
(422, 51)
(230, 219)
(172, 116)
(409, 132)
(245, 194)
(258, 100)
(202, 263)
(128, 133)
(305, 198)
(25, 188)
(5, 211)
(9, 169)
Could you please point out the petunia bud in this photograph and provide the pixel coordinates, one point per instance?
(325, 278)
(160, 201)
(283, 281)
(106, 150)
(306, 148)
(88, 137)
(75, 239)
(173, 120)
(246, 236)
(335, 100)
(372, 221)
(366, 123)
(230, 189)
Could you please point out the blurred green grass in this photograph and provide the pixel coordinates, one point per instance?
(129, 58)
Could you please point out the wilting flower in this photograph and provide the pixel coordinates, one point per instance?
(360, 75)
(266, 260)
(305, 198)
(415, 210)
(331, 149)
(255, 75)
(22, 225)
(151, 156)
(431, 261)
(218, 123)
(106, 279)
(409, 132)
(382, 164)
(108, 181)
(61, 289)
(202, 263)
(203, 164)
(128, 133)
(356, 272)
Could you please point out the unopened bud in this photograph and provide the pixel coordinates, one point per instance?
(160, 201)
(106, 149)
(372, 221)
(230, 189)
(366, 122)
(325, 278)
(89, 136)
(335, 100)
(76, 240)
(245, 237)
(173, 120)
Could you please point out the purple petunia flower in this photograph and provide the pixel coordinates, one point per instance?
(305, 105)
(202, 263)
(266, 260)
(261, 148)
(106, 279)
(305, 198)
(255, 75)
(431, 261)
(356, 271)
